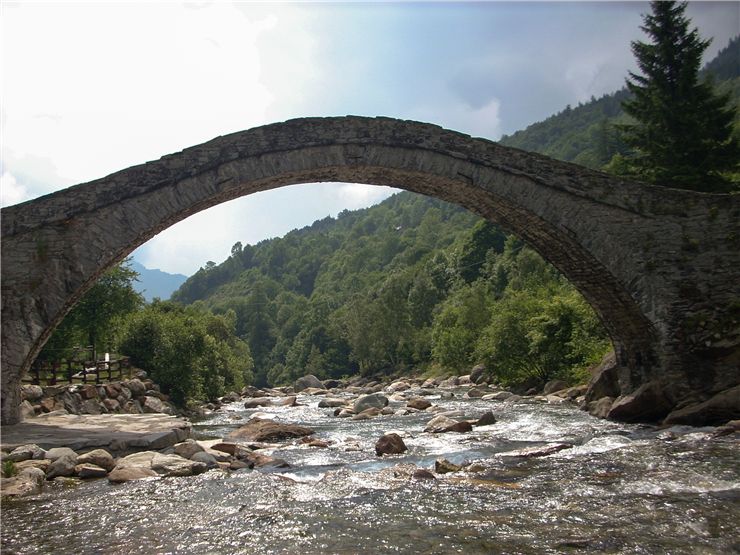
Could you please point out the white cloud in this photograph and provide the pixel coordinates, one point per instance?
(11, 192)
(100, 87)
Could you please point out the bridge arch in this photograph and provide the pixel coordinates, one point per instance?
(643, 257)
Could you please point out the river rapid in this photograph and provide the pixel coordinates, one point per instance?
(620, 489)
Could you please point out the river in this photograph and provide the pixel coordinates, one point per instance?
(620, 489)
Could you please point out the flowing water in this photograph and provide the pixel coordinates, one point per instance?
(621, 489)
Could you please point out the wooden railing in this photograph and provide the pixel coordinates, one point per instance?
(78, 371)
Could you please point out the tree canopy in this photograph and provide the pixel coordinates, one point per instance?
(682, 130)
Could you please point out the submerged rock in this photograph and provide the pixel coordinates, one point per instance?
(443, 466)
(390, 444)
(545, 450)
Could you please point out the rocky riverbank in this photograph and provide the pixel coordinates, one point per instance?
(257, 442)
(138, 395)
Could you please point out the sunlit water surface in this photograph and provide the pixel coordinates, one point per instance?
(621, 489)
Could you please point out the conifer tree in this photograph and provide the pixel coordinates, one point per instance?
(683, 131)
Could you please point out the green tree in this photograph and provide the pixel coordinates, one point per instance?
(94, 319)
(682, 135)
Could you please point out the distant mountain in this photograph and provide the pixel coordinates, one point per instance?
(156, 283)
(586, 134)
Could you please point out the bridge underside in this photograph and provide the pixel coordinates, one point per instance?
(658, 265)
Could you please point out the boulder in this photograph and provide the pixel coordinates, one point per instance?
(206, 458)
(256, 403)
(646, 403)
(231, 397)
(287, 402)
(452, 381)
(554, 385)
(498, 396)
(718, 409)
(398, 386)
(486, 419)
(26, 410)
(373, 400)
(87, 470)
(26, 452)
(464, 380)
(98, 457)
(90, 406)
(175, 465)
(307, 381)
(441, 424)
(418, 404)
(142, 459)
(62, 466)
(188, 448)
(42, 464)
(604, 380)
(58, 452)
(31, 393)
(477, 374)
(443, 466)
(475, 393)
(600, 408)
(29, 481)
(429, 383)
(153, 405)
(128, 473)
(136, 387)
(367, 414)
(88, 391)
(331, 384)
(112, 405)
(258, 429)
(331, 402)
(228, 448)
(390, 444)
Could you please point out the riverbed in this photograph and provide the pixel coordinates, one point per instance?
(620, 489)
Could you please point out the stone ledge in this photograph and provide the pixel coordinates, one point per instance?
(115, 432)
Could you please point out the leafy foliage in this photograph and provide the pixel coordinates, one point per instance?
(190, 352)
(409, 284)
(94, 320)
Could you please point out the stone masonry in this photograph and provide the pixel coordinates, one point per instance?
(660, 266)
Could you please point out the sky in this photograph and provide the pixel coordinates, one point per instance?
(95, 87)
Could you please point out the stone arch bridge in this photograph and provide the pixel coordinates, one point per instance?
(659, 266)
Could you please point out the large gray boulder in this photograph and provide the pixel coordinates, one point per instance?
(307, 381)
(719, 409)
(374, 400)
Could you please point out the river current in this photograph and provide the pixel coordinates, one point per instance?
(620, 489)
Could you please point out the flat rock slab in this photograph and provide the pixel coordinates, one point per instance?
(114, 432)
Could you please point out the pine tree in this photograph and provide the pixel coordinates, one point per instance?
(683, 131)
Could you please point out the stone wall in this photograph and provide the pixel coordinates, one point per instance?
(659, 266)
(135, 396)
